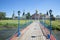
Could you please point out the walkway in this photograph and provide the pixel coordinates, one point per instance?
(32, 32)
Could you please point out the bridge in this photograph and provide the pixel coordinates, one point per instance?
(35, 31)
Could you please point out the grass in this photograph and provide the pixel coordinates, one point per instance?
(9, 27)
(55, 24)
(11, 23)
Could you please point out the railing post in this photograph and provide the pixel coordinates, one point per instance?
(18, 24)
(50, 11)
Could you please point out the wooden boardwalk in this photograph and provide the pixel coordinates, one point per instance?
(32, 32)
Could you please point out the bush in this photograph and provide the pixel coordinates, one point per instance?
(53, 19)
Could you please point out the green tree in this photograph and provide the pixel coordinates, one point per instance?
(47, 13)
(23, 13)
(2, 15)
(28, 15)
(52, 17)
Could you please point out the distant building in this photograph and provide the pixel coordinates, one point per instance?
(36, 16)
(39, 16)
(46, 16)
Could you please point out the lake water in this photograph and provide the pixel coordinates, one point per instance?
(56, 34)
(7, 33)
(4, 34)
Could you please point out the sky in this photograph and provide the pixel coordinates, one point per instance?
(42, 6)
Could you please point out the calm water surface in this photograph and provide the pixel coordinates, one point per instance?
(56, 34)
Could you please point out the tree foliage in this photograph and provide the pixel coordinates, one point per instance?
(47, 13)
(28, 15)
(23, 14)
(52, 18)
(2, 15)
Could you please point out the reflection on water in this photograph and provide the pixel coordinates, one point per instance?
(56, 34)
(4, 34)
(7, 33)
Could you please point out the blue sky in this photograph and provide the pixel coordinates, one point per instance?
(29, 6)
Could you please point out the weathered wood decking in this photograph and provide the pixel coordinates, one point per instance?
(32, 32)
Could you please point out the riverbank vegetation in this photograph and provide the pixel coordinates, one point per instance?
(55, 24)
(11, 23)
